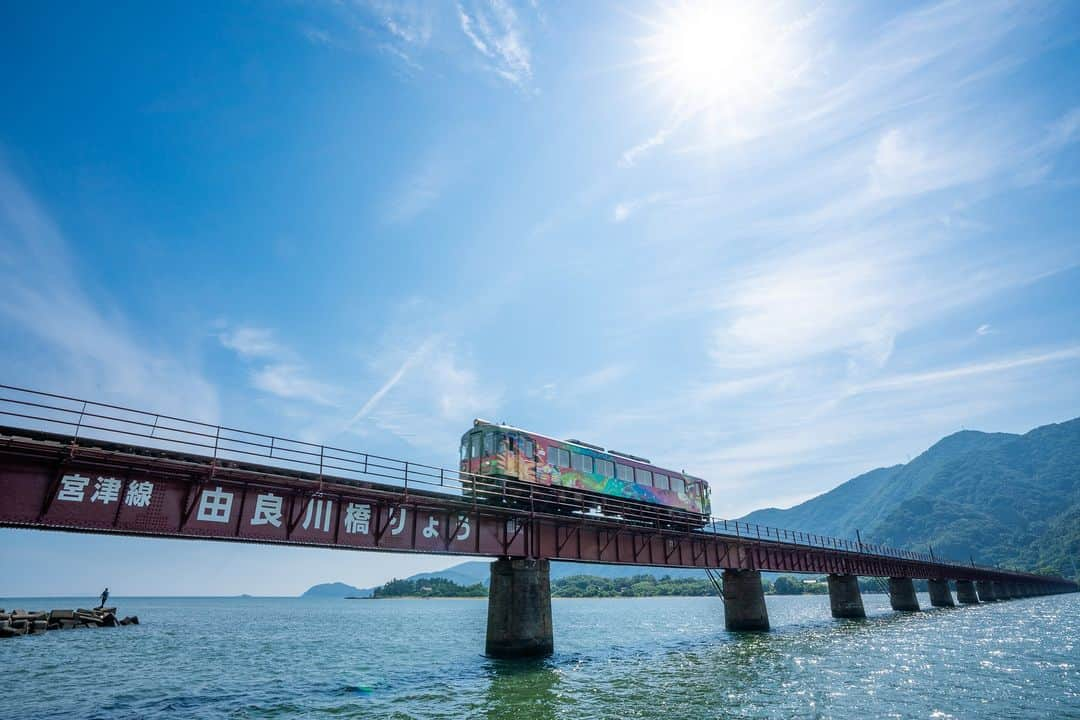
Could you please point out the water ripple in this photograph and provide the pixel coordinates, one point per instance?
(666, 658)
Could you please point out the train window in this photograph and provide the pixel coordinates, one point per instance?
(500, 444)
(581, 463)
(558, 457)
(677, 484)
(476, 445)
(489, 443)
(605, 467)
(465, 448)
(660, 481)
(527, 448)
(642, 477)
(624, 473)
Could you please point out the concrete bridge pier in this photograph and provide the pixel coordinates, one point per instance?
(744, 601)
(940, 596)
(844, 597)
(1001, 590)
(902, 594)
(519, 609)
(965, 592)
(986, 590)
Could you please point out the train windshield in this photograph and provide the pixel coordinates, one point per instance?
(489, 442)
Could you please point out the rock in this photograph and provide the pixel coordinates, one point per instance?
(22, 622)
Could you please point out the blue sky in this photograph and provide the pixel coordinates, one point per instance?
(775, 244)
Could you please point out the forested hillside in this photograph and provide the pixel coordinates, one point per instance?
(997, 497)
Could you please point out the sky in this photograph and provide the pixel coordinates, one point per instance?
(776, 244)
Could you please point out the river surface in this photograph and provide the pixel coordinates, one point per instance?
(615, 658)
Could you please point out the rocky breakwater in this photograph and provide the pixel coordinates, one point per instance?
(23, 622)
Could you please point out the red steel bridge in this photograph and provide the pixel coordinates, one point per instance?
(75, 465)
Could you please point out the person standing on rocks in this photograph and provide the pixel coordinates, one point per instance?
(104, 597)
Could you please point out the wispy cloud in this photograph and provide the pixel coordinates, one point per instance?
(418, 191)
(574, 388)
(913, 380)
(495, 32)
(292, 383)
(275, 368)
(599, 379)
(420, 36)
(425, 389)
(816, 302)
(430, 401)
(404, 29)
(631, 155)
(411, 360)
(250, 342)
(624, 209)
(73, 343)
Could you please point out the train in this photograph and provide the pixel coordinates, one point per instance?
(575, 477)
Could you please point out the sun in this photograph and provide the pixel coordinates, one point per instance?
(716, 55)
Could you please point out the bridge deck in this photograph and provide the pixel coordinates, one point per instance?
(53, 481)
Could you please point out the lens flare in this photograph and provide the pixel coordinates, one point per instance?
(728, 58)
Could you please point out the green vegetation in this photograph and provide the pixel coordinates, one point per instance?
(577, 586)
(787, 585)
(1001, 499)
(594, 586)
(429, 587)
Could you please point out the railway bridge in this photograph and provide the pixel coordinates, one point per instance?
(75, 465)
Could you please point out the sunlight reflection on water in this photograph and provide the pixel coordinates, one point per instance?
(628, 658)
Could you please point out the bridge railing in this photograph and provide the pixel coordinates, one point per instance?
(86, 420)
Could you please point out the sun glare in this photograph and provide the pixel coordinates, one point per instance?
(716, 55)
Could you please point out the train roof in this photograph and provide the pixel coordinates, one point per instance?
(584, 446)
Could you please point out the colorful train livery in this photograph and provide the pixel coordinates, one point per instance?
(579, 475)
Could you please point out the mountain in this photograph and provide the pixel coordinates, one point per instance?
(479, 571)
(997, 497)
(336, 590)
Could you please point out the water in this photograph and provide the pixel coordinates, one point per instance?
(626, 658)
